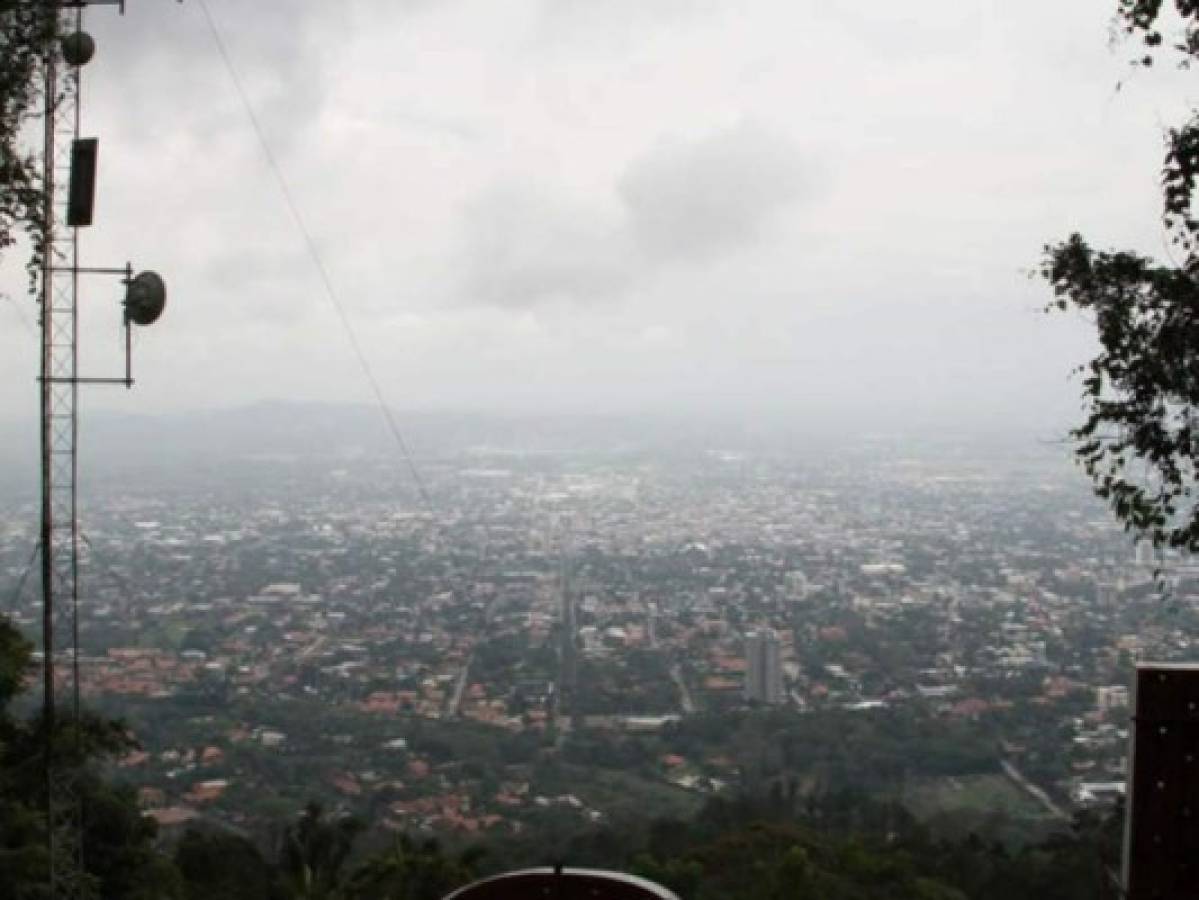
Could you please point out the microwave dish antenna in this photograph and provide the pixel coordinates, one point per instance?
(78, 48)
(145, 298)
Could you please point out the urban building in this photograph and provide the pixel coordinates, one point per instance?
(763, 667)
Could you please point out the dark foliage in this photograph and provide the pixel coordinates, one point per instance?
(410, 870)
(1139, 438)
(214, 863)
(26, 35)
(119, 857)
(314, 853)
(838, 845)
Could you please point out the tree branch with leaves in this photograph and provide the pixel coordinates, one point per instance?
(27, 32)
(1139, 439)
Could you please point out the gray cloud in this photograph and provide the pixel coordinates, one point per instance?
(541, 203)
(682, 203)
(707, 197)
(277, 53)
(524, 246)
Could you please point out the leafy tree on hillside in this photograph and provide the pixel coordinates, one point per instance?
(1139, 440)
(118, 841)
(409, 870)
(25, 29)
(314, 853)
(216, 863)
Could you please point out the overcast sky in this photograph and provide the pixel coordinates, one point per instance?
(792, 206)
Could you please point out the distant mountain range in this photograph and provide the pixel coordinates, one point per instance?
(126, 443)
(325, 430)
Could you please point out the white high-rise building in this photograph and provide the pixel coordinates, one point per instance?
(763, 667)
(797, 586)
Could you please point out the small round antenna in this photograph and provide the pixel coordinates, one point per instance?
(145, 298)
(78, 48)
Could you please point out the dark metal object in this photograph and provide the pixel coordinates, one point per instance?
(81, 200)
(59, 524)
(78, 48)
(1161, 845)
(560, 883)
(125, 381)
(83, 4)
(145, 298)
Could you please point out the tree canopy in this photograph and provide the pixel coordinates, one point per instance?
(26, 35)
(1139, 438)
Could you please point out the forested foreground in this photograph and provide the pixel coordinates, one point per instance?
(783, 843)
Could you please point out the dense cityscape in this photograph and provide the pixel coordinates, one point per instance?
(578, 637)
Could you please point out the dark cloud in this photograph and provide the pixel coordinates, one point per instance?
(684, 202)
(281, 52)
(710, 196)
(162, 67)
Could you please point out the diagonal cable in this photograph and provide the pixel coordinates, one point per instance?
(318, 262)
(16, 594)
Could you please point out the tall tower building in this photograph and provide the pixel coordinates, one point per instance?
(763, 667)
(797, 586)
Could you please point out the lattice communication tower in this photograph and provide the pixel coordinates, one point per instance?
(68, 184)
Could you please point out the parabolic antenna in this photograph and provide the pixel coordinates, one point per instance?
(78, 48)
(145, 298)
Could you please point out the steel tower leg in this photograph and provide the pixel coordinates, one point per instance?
(59, 466)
